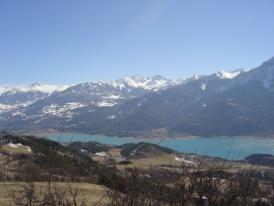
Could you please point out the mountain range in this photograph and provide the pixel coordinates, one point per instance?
(225, 103)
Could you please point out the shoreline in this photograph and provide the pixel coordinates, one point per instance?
(217, 147)
(44, 133)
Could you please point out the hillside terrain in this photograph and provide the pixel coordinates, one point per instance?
(261, 159)
(90, 173)
(31, 157)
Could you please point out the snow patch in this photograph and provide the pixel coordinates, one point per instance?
(28, 149)
(101, 154)
(181, 159)
(63, 110)
(14, 145)
(228, 75)
(83, 151)
(3, 89)
(18, 113)
(105, 104)
(195, 76)
(112, 97)
(6, 108)
(203, 86)
(111, 117)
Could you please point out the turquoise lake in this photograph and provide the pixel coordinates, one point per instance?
(234, 148)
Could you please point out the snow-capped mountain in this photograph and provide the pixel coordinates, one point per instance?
(21, 96)
(238, 102)
(45, 88)
(109, 93)
(225, 103)
(3, 89)
(64, 103)
(264, 75)
(99, 94)
(35, 87)
(153, 83)
(230, 74)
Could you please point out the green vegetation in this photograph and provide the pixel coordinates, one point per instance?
(50, 157)
(143, 149)
(91, 147)
(261, 159)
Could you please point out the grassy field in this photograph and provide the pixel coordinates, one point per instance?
(19, 149)
(90, 192)
(167, 161)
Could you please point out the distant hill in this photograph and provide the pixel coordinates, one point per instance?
(261, 159)
(129, 150)
(91, 147)
(142, 150)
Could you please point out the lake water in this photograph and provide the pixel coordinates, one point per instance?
(234, 148)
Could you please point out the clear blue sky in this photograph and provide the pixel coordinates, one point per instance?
(71, 41)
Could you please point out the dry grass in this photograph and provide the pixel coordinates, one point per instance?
(168, 161)
(160, 161)
(18, 150)
(90, 192)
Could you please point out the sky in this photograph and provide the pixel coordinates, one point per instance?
(73, 41)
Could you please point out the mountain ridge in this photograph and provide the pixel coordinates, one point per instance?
(224, 103)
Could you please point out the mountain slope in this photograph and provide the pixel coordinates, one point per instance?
(36, 158)
(242, 105)
(12, 98)
(225, 103)
(85, 97)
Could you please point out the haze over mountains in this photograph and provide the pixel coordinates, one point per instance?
(225, 103)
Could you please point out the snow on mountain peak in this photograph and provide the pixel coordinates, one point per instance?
(35, 87)
(148, 83)
(180, 80)
(134, 81)
(228, 75)
(3, 89)
(45, 88)
(36, 84)
(195, 76)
